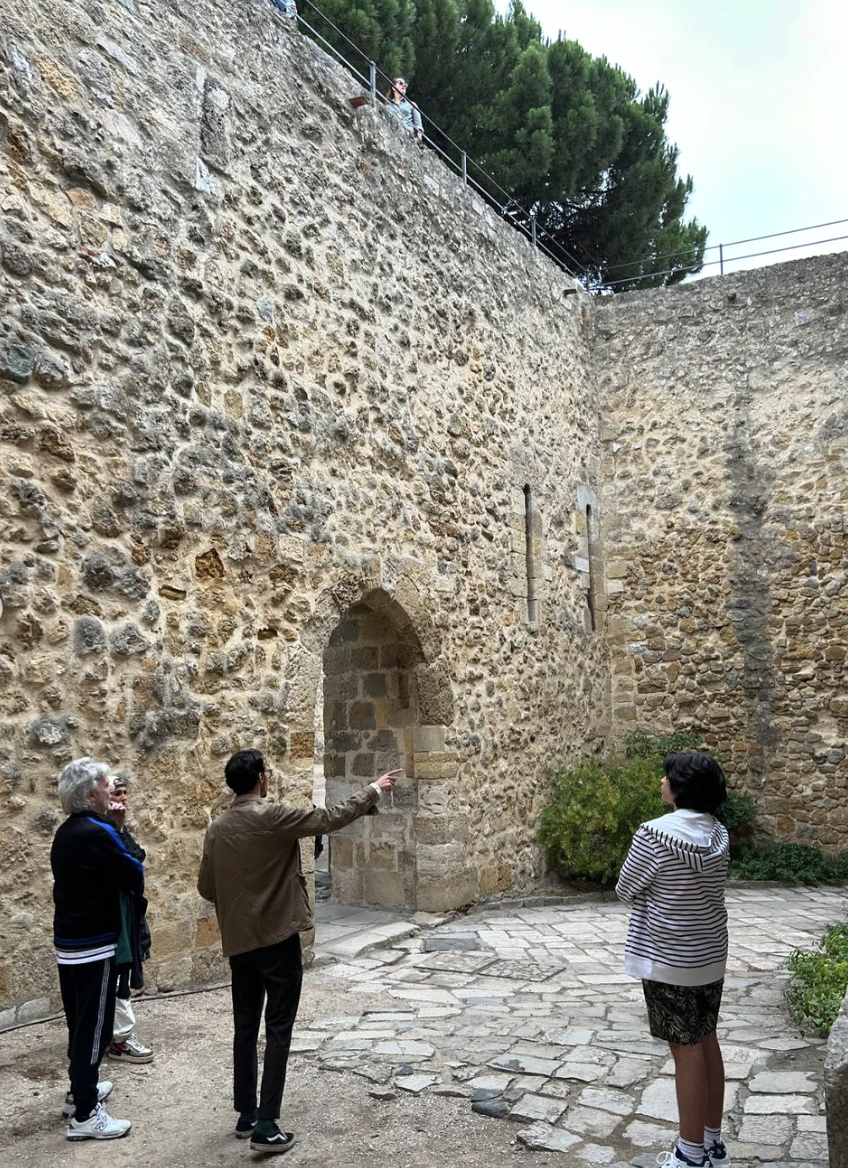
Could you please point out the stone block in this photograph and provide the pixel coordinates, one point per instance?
(206, 932)
(346, 884)
(362, 716)
(436, 765)
(374, 685)
(426, 740)
(438, 895)
(363, 765)
(382, 856)
(342, 851)
(34, 1009)
(364, 657)
(175, 974)
(383, 888)
(440, 860)
(495, 878)
(441, 829)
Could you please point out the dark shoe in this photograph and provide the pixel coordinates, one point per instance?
(245, 1125)
(280, 1141)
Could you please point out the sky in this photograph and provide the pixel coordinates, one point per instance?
(759, 104)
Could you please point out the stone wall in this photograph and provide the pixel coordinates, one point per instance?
(265, 367)
(725, 433)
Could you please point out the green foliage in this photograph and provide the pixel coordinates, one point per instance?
(738, 813)
(589, 822)
(595, 808)
(567, 135)
(819, 981)
(789, 864)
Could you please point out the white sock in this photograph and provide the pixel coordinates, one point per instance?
(712, 1135)
(692, 1151)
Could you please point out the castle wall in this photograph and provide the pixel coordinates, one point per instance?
(262, 361)
(725, 432)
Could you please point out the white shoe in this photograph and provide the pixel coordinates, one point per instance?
(718, 1156)
(673, 1159)
(99, 1126)
(104, 1090)
(130, 1050)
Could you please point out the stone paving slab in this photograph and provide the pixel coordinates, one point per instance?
(528, 1014)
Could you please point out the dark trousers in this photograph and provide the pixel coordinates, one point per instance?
(275, 971)
(88, 998)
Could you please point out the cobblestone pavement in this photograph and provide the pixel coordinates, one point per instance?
(528, 1014)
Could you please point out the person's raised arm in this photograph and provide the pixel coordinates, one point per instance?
(292, 823)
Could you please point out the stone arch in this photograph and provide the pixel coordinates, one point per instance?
(388, 702)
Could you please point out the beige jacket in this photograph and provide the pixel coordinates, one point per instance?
(251, 867)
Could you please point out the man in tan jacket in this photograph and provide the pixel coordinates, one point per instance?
(251, 872)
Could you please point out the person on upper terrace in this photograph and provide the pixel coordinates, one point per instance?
(406, 112)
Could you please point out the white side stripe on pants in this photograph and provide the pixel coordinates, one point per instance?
(101, 1011)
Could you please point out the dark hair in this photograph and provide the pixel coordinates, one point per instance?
(243, 770)
(696, 781)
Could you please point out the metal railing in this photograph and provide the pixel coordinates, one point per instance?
(524, 219)
(723, 248)
(470, 171)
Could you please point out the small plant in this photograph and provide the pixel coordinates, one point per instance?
(819, 981)
(789, 864)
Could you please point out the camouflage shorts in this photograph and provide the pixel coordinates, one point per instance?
(682, 1014)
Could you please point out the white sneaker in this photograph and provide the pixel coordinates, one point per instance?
(104, 1090)
(99, 1126)
(718, 1156)
(674, 1159)
(130, 1050)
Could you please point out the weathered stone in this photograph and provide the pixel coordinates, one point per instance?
(89, 636)
(542, 1137)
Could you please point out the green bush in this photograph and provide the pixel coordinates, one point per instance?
(819, 981)
(589, 822)
(789, 864)
(595, 808)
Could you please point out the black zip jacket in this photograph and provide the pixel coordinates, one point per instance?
(91, 867)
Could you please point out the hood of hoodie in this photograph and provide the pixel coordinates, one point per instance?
(695, 837)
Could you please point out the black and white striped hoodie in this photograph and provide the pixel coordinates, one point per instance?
(674, 876)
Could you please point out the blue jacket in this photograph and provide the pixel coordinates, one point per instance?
(91, 867)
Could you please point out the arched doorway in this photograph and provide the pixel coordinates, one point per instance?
(372, 651)
(370, 708)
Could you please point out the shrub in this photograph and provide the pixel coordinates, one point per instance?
(819, 981)
(789, 864)
(594, 810)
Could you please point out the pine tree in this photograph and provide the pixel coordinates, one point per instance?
(566, 136)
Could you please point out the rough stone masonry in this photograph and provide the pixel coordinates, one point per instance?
(301, 444)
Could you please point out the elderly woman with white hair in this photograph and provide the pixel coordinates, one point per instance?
(92, 870)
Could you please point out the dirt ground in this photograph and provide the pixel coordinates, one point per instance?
(181, 1108)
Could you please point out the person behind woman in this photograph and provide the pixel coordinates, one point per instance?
(125, 1046)
(674, 875)
(406, 112)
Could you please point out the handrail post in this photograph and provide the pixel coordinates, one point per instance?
(533, 229)
(464, 167)
(372, 82)
(721, 259)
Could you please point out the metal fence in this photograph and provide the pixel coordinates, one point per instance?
(523, 219)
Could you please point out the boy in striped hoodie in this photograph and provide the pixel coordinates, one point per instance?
(674, 877)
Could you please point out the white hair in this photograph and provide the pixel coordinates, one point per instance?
(76, 780)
